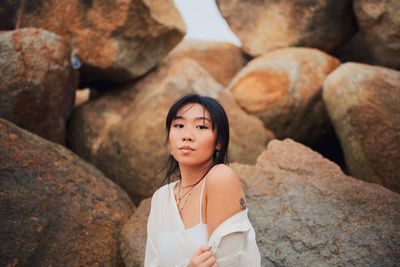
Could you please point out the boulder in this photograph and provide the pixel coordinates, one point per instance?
(55, 209)
(306, 212)
(283, 88)
(379, 24)
(114, 40)
(122, 131)
(37, 83)
(364, 105)
(265, 25)
(134, 235)
(221, 60)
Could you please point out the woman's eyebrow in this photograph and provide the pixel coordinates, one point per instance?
(202, 118)
(197, 118)
(179, 118)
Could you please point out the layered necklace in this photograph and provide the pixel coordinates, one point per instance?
(182, 196)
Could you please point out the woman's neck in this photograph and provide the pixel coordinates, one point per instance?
(192, 174)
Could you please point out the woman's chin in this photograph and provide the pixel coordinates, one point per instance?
(192, 162)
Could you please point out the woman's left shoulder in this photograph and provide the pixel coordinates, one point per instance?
(222, 175)
(224, 195)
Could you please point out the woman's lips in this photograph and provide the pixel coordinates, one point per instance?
(186, 148)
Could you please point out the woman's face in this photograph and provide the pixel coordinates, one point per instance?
(191, 138)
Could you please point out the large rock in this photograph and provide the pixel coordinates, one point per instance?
(364, 105)
(122, 132)
(115, 40)
(379, 25)
(266, 25)
(37, 83)
(221, 60)
(134, 235)
(283, 88)
(306, 212)
(55, 209)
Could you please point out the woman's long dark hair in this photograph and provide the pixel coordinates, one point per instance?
(219, 121)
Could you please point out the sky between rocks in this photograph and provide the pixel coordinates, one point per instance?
(203, 21)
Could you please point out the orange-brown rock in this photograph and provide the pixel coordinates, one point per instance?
(283, 88)
(134, 236)
(379, 27)
(363, 102)
(82, 96)
(122, 132)
(221, 60)
(115, 40)
(266, 25)
(306, 212)
(37, 83)
(55, 209)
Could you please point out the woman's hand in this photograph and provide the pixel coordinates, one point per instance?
(203, 257)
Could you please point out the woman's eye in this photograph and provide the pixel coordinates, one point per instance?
(202, 127)
(178, 125)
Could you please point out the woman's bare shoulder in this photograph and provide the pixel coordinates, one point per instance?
(225, 196)
(222, 175)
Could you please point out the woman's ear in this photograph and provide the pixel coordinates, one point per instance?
(218, 147)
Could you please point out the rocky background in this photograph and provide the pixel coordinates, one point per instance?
(313, 99)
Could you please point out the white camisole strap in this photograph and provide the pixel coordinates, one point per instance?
(198, 233)
(201, 201)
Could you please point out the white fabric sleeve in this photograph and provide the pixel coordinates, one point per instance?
(151, 256)
(231, 250)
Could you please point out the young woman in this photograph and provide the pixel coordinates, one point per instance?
(201, 218)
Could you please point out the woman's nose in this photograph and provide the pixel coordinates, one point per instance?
(187, 136)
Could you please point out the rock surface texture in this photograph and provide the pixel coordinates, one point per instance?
(379, 24)
(264, 25)
(306, 212)
(134, 236)
(55, 209)
(115, 40)
(221, 60)
(283, 88)
(37, 83)
(364, 105)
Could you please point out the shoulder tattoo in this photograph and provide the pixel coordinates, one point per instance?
(243, 204)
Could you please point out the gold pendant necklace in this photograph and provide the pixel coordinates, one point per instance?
(188, 193)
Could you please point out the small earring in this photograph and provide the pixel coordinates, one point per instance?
(216, 153)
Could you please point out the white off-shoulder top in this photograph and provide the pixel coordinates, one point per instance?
(169, 244)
